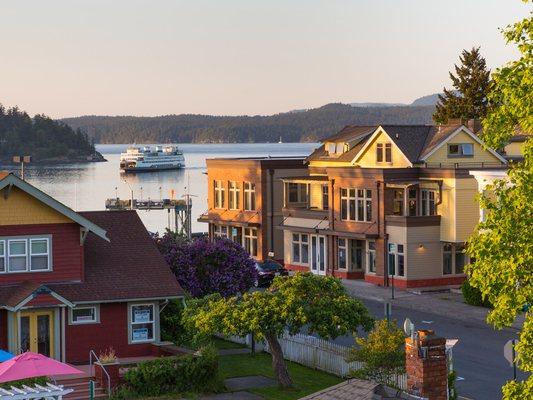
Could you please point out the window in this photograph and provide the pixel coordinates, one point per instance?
(325, 197)
(300, 248)
(461, 150)
(412, 202)
(396, 260)
(356, 254)
(359, 200)
(249, 196)
(234, 195)
(236, 234)
(428, 202)
(342, 250)
(39, 254)
(142, 323)
(84, 315)
(371, 256)
(447, 266)
(250, 241)
(18, 255)
(383, 152)
(297, 192)
(397, 202)
(2, 256)
(220, 231)
(219, 194)
(454, 258)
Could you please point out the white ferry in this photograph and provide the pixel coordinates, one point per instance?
(139, 159)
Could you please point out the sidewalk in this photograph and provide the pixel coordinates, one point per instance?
(449, 305)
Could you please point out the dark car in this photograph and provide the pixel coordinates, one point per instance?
(267, 270)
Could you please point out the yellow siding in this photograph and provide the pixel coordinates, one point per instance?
(423, 262)
(447, 210)
(480, 154)
(315, 197)
(514, 149)
(467, 208)
(331, 163)
(22, 209)
(368, 158)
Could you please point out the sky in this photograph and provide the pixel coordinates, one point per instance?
(68, 58)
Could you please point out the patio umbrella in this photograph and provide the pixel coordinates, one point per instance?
(31, 365)
(4, 356)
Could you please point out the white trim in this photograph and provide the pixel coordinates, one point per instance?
(379, 130)
(463, 128)
(153, 321)
(96, 319)
(53, 203)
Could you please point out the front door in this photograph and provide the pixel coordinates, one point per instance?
(318, 255)
(37, 332)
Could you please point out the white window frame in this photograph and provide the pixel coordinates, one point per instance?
(251, 235)
(249, 195)
(461, 150)
(131, 323)
(301, 244)
(234, 200)
(96, 319)
(220, 231)
(219, 194)
(3, 256)
(47, 254)
(25, 241)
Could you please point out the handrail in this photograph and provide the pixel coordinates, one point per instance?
(91, 371)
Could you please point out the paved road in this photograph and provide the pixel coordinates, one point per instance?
(478, 356)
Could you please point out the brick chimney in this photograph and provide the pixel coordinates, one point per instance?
(425, 362)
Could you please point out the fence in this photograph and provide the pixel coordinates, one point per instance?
(318, 354)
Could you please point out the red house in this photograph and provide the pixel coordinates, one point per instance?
(71, 282)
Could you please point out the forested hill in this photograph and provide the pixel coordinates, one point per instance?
(42, 138)
(299, 126)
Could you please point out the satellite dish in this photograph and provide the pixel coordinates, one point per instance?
(408, 327)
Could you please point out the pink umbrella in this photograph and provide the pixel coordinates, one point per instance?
(31, 365)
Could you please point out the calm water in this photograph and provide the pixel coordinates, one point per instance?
(86, 186)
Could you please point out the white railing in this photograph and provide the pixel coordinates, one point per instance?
(318, 354)
(92, 355)
(35, 392)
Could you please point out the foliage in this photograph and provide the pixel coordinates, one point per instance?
(318, 303)
(473, 296)
(196, 373)
(471, 83)
(303, 126)
(40, 380)
(172, 329)
(41, 137)
(502, 245)
(383, 352)
(108, 356)
(205, 266)
(452, 391)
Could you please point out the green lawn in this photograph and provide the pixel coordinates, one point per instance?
(306, 380)
(222, 344)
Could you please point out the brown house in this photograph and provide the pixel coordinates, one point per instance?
(245, 202)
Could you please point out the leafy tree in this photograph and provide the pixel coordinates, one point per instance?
(383, 352)
(203, 267)
(320, 304)
(471, 83)
(502, 245)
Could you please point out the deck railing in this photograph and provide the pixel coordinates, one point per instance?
(93, 356)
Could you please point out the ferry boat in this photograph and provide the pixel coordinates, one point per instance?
(140, 159)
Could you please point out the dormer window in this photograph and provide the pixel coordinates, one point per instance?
(336, 149)
(384, 152)
(461, 150)
(25, 254)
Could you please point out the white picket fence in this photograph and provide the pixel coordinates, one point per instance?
(318, 354)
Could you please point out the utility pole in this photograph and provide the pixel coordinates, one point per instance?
(21, 160)
(131, 193)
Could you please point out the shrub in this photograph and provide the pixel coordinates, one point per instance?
(190, 373)
(41, 380)
(473, 296)
(383, 353)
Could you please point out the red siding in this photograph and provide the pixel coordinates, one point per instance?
(3, 330)
(67, 254)
(112, 331)
(43, 300)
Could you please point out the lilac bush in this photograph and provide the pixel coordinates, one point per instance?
(204, 267)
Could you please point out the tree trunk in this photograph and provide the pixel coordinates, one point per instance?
(278, 362)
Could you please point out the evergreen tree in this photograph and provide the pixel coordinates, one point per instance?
(471, 83)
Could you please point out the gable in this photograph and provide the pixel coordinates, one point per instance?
(480, 154)
(19, 208)
(367, 157)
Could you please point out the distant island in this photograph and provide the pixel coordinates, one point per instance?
(294, 126)
(42, 138)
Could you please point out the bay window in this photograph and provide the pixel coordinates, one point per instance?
(142, 323)
(428, 202)
(412, 201)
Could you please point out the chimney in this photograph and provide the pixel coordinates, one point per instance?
(474, 125)
(425, 362)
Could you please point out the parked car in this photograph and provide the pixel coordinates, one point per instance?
(267, 270)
